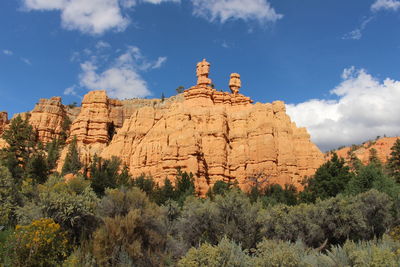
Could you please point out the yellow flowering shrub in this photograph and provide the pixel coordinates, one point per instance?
(42, 243)
(395, 233)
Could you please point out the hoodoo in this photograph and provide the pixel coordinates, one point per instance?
(216, 136)
(213, 134)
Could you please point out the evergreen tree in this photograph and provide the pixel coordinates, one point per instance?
(165, 193)
(72, 164)
(20, 138)
(37, 168)
(184, 186)
(53, 153)
(8, 197)
(394, 161)
(64, 130)
(373, 157)
(180, 89)
(329, 180)
(104, 174)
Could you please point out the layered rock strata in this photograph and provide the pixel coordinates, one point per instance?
(47, 119)
(382, 146)
(3, 121)
(216, 136)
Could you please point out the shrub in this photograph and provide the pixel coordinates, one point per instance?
(42, 243)
(226, 253)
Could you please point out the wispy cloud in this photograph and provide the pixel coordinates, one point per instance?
(26, 61)
(7, 52)
(357, 33)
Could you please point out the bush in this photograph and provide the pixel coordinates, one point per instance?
(42, 243)
(226, 253)
(72, 205)
(137, 238)
(276, 253)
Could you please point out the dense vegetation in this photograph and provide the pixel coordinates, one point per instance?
(347, 214)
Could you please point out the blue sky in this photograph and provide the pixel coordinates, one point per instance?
(334, 62)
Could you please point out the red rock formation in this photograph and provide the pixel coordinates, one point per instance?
(216, 136)
(363, 152)
(3, 121)
(47, 118)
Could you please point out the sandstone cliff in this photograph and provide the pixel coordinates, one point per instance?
(47, 119)
(215, 135)
(363, 152)
(3, 121)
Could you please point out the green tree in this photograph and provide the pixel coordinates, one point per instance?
(72, 163)
(184, 186)
(329, 180)
(104, 174)
(37, 168)
(219, 188)
(9, 199)
(65, 126)
(180, 89)
(274, 194)
(394, 161)
(20, 138)
(373, 157)
(53, 153)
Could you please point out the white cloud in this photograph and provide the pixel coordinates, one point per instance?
(71, 91)
(364, 109)
(90, 16)
(122, 79)
(160, 1)
(385, 5)
(102, 44)
(158, 64)
(8, 52)
(223, 10)
(94, 16)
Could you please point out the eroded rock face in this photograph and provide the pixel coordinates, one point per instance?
(216, 137)
(3, 121)
(47, 119)
(363, 152)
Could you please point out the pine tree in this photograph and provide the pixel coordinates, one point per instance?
(9, 197)
(394, 161)
(53, 153)
(329, 180)
(37, 168)
(72, 163)
(20, 138)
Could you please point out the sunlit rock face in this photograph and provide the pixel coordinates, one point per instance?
(216, 136)
(363, 152)
(213, 134)
(3, 121)
(47, 119)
